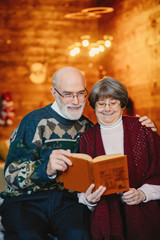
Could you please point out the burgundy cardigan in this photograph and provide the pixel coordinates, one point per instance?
(111, 219)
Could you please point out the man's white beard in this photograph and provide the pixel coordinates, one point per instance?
(70, 115)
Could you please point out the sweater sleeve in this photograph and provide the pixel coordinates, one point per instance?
(25, 165)
(152, 192)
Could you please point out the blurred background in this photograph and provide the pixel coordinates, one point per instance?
(101, 38)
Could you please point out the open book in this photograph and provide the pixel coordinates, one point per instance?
(110, 171)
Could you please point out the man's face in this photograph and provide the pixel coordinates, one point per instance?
(70, 82)
(70, 110)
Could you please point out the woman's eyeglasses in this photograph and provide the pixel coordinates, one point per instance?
(112, 104)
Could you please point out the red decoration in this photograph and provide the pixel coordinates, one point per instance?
(7, 109)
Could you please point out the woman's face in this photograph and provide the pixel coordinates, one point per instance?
(108, 110)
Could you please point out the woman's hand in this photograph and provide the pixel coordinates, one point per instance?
(133, 197)
(94, 197)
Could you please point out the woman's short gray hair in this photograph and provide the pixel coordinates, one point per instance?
(108, 87)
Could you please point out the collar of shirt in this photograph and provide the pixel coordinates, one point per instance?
(117, 123)
(55, 107)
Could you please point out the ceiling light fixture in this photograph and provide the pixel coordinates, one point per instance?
(98, 10)
(93, 48)
(89, 13)
(82, 16)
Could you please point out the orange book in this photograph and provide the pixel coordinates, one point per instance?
(110, 171)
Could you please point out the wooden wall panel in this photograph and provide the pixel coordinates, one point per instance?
(36, 31)
(135, 56)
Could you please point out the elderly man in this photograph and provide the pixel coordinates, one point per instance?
(35, 201)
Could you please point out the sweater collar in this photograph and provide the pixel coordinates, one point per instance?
(116, 124)
(56, 108)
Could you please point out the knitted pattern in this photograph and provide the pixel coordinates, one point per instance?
(25, 169)
(112, 219)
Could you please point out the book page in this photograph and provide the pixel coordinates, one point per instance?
(82, 156)
(105, 157)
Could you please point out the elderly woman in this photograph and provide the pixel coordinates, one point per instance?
(135, 214)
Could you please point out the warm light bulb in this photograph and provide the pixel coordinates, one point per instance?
(101, 48)
(107, 43)
(96, 50)
(72, 53)
(91, 52)
(77, 50)
(85, 43)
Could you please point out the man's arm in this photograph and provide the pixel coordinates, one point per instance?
(58, 161)
(147, 122)
(26, 161)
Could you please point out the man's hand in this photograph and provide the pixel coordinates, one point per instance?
(133, 197)
(94, 197)
(58, 161)
(147, 122)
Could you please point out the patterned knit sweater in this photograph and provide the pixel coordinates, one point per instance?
(25, 169)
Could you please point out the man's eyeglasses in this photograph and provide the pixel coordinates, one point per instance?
(69, 95)
(114, 104)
